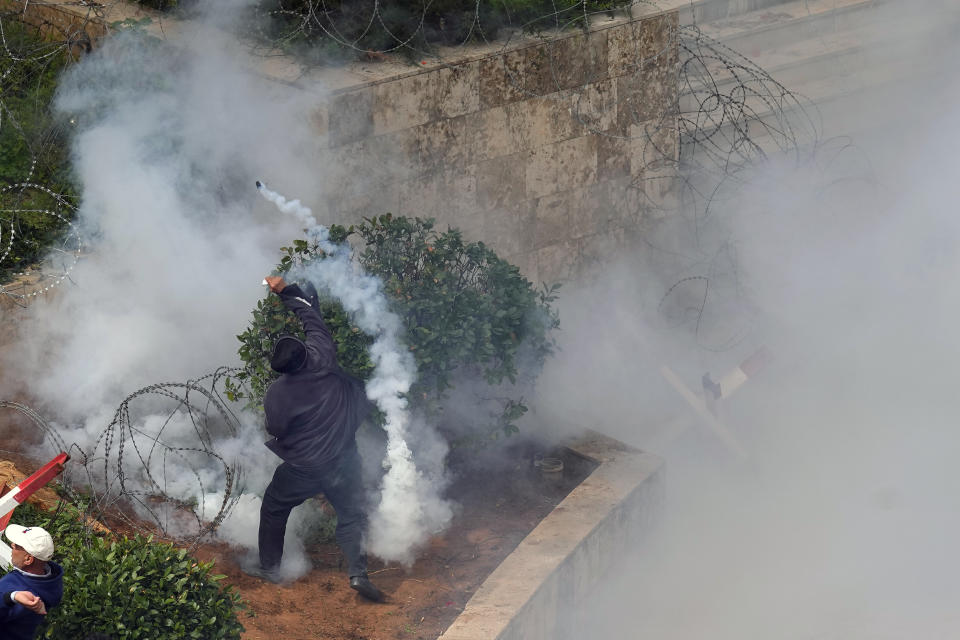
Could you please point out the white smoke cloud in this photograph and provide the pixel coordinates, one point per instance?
(411, 506)
(168, 142)
(840, 524)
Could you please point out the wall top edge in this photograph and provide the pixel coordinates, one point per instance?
(529, 42)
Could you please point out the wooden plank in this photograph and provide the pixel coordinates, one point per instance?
(700, 408)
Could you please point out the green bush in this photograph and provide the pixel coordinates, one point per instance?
(171, 6)
(338, 28)
(136, 588)
(132, 588)
(160, 5)
(32, 146)
(468, 315)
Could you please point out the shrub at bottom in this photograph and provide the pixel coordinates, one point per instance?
(136, 588)
(132, 588)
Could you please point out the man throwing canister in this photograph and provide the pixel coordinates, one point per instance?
(313, 411)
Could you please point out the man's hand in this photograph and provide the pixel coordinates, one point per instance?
(31, 602)
(276, 283)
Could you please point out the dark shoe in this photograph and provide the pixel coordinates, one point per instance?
(363, 586)
(252, 568)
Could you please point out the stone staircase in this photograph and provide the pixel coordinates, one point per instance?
(846, 60)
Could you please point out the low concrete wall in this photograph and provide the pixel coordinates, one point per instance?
(563, 558)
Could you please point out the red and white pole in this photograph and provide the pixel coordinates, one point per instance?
(19, 494)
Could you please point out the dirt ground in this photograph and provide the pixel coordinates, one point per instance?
(497, 506)
(497, 509)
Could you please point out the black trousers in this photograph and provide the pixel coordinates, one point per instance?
(341, 483)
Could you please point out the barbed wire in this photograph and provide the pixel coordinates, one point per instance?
(146, 469)
(420, 29)
(35, 216)
(731, 117)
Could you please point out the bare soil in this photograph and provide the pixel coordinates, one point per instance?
(498, 507)
(498, 504)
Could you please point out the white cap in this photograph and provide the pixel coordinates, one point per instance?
(34, 540)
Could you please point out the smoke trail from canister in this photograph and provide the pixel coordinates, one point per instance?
(410, 507)
(291, 206)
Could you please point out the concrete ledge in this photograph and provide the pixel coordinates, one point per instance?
(564, 557)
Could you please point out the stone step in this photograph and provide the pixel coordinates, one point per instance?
(756, 32)
(836, 65)
(816, 68)
(701, 11)
(839, 105)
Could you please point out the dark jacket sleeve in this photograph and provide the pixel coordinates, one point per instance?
(9, 610)
(321, 349)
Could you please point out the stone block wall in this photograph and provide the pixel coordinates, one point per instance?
(555, 153)
(549, 152)
(79, 24)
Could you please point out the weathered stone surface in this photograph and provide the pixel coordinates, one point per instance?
(458, 90)
(375, 201)
(611, 205)
(634, 45)
(507, 230)
(557, 262)
(548, 153)
(405, 102)
(320, 121)
(589, 212)
(552, 219)
(658, 36)
(66, 22)
(623, 49)
(448, 197)
(570, 163)
(501, 181)
(420, 197)
(597, 249)
(497, 134)
(594, 107)
(354, 169)
(647, 94)
(459, 196)
(516, 75)
(652, 146)
(351, 116)
(577, 60)
(449, 142)
(613, 159)
(538, 122)
(540, 70)
(396, 154)
(654, 151)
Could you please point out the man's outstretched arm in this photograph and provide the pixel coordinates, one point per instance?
(320, 344)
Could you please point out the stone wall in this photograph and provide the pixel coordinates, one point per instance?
(80, 25)
(548, 152)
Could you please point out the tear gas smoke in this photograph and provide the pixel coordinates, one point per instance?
(410, 506)
(841, 524)
(174, 250)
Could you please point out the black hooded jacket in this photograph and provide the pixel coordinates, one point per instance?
(313, 413)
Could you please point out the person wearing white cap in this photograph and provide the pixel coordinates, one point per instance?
(34, 585)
